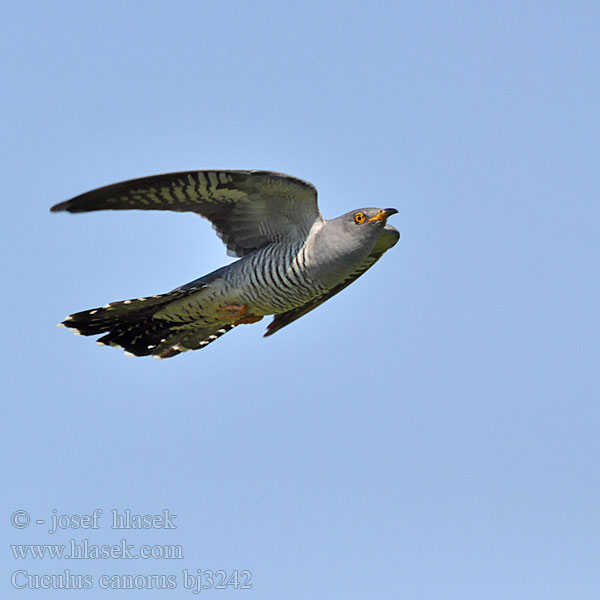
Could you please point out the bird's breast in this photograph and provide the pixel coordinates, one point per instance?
(275, 279)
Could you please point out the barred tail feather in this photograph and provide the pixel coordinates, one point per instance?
(105, 318)
(186, 340)
(130, 324)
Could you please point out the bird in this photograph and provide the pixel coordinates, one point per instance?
(290, 259)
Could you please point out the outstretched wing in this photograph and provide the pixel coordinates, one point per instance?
(388, 238)
(248, 209)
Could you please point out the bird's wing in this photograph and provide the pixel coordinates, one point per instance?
(248, 209)
(388, 238)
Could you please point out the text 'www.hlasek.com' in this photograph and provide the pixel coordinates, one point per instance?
(88, 547)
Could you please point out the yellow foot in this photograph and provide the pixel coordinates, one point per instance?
(238, 312)
(247, 320)
(232, 311)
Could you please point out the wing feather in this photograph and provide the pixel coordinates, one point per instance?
(248, 209)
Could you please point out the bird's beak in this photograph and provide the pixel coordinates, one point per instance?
(383, 214)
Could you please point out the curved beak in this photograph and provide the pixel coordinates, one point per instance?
(383, 214)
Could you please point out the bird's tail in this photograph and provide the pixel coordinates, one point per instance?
(131, 325)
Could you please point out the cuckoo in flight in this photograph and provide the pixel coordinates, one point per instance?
(291, 260)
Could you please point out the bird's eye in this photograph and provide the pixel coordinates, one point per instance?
(359, 218)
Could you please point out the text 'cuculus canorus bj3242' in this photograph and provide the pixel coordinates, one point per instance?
(291, 259)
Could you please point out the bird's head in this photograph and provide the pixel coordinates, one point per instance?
(361, 226)
(349, 238)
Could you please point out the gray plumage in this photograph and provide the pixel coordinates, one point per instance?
(291, 259)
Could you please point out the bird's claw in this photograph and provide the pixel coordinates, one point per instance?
(248, 320)
(231, 311)
(238, 312)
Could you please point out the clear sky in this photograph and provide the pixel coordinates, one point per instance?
(433, 431)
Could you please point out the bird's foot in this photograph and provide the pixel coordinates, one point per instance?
(248, 320)
(238, 312)
(231, 311)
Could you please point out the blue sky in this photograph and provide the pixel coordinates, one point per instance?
(432, 432)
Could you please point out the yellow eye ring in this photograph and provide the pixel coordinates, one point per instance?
(360, 218)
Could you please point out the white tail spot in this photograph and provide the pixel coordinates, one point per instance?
(181, 348)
